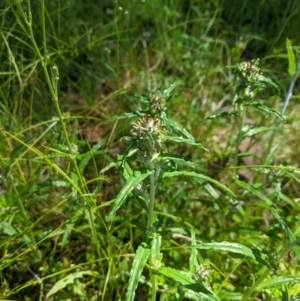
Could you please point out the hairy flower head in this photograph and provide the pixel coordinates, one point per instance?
(149, 126)
(149, 133)
(157, 103)
(249, 72)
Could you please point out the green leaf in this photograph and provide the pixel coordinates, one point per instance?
(168, 92)
(177, 160)
(62, 283)
(227, 247)
(265, 109)
(138, 264)
(193, 260)
(171, 124)
(269, 81)
(264, 259)
(291, 58)
(189, 283)
(186, 141)
(278, 281)
(37, 187)
(179, 276)
(127, 115)
(197, 292)
(108, 167)
(156, 255)
(126, 170)
(21, 148)
(7, 229)
(285, 294)
(219, 115)
(197, 176)
(254, 131)
(232, 296)
(86, 157)
(131, 183)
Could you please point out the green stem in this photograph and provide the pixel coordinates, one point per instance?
(43, 60)
(151, 203)
(154, 286)
(242, 114)
(150, 228)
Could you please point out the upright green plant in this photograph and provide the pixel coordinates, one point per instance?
(152, 166)
(251, 82)
(145, 166)
(148, 135)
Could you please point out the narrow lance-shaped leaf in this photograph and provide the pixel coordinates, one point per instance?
(68, 280)
(198, 176)
(291, 58)
(179, 276)
(178, 139)
(270, 82)
(133, 114)
(167, 92)
(226, 246)
(265, 109)
(183, 278)
(174, 126)
(257, 130)
(138, 264)
(131, 183)
(278, 281)
(193, 260)
(124, 166)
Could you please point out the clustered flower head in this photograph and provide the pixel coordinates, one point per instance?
(250, 78)
(149, 133)
(249, 72)
(157, 103)
(148, 125)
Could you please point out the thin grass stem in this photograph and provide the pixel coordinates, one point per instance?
(53, 92)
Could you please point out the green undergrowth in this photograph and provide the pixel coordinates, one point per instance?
(149, 150)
